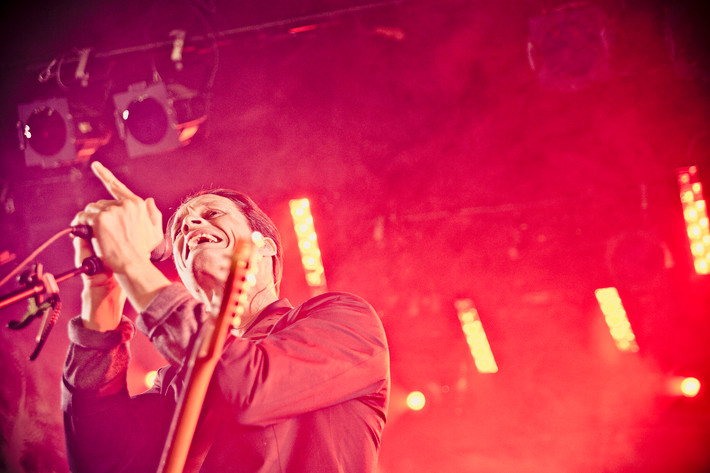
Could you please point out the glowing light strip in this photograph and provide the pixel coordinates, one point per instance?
(308, 245)
(615, 317)
(696, 217)
(475, 336)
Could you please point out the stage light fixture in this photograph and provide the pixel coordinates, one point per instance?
(50, 134)
(475, 336)
(308, 245)
(685, 386)
(695, 214)
(568, 48)
(46, 132)
(416, 400)
(145, 118)
(690, 387)
(616, 319)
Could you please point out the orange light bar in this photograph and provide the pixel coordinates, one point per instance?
(475, 336)
(150, 378)
(308, 245)
(696, 217)
(615, 317)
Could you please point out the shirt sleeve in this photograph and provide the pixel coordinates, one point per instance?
(97, 361)
(330, 350)
(171, 321)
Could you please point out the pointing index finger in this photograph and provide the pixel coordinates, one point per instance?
(115, 187)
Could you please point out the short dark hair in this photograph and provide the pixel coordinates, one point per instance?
(257, 219)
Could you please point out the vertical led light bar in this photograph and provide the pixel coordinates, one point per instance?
(308, 245)
(696, 217)
(475, 336)
(615, 317)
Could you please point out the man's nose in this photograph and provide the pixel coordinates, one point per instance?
(190, 221)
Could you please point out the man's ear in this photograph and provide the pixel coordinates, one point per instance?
(269, 247)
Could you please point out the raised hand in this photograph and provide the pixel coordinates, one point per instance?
(125, 229)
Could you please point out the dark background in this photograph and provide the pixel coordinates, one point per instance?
(439, 165)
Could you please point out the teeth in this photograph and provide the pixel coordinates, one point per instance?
(195, 240)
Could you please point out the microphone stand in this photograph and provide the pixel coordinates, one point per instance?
(43, 291)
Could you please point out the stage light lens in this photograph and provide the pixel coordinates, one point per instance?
(146, 120)
(690, 387)
(46, 131)
(416, 400)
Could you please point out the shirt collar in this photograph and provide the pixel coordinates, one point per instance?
(267, 318)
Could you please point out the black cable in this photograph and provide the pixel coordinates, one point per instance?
(56, 304)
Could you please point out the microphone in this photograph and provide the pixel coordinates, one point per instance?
(160, 253)
(92, 265)
(81, 231)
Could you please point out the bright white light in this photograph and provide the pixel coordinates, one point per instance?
(416, 400)
(150, 378)
(690, 387)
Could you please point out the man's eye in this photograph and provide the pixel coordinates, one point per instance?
(210, 213)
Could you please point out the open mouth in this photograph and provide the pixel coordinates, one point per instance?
(199, 239)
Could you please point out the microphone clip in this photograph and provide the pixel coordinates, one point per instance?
(42, 291)
(42, 303)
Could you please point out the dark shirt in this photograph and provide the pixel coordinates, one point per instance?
(303, 390)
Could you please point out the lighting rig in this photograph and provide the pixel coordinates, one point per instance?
(149, 116)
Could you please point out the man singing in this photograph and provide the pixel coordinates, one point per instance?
(299, 390)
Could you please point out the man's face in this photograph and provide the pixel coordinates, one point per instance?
(204, 233)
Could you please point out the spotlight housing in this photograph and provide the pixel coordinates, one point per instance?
(145, 119)
(50, 134)
(46, 132)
